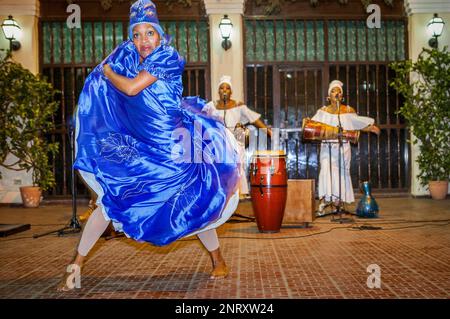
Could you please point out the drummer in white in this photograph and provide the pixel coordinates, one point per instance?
(235, 115)
(329, 180)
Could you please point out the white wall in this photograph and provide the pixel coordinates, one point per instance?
(229, 62)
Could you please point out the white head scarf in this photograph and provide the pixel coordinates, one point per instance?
(335, 83)
(225, 79)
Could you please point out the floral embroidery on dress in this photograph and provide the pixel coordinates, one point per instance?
(137, 190)
(118, 148)
(183, 198)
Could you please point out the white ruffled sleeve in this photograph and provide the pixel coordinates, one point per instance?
(349, 121)
(209, 108)
(354, 122)
(248, 116)
(323, 117)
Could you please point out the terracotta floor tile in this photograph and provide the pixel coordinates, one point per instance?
(413, 259)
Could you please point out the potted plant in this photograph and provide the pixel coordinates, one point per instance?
(26, 108)
(425, 86)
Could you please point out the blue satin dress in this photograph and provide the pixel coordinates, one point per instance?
(141, 153)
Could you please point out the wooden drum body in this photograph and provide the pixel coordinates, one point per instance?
(316, 131)
(268, 180)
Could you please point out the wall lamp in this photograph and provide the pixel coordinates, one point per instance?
(11, 30)
(435, 27)
(225, 27)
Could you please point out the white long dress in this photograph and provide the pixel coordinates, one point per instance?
(329, 181)
(238, 114)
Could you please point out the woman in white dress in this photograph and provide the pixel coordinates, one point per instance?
(234, 114)
(329, 180)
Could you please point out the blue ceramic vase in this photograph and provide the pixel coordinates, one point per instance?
(367, 206)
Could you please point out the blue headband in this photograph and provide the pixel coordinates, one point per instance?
(144, 11)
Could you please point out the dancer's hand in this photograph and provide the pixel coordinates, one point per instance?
(107, 70)
(375, 129)
(372, 129)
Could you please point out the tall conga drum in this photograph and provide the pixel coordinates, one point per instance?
(268, 180)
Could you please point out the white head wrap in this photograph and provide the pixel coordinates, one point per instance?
(225, 79)
(333, 84)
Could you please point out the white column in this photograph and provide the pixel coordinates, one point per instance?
(231, 61)
(26, 13)
(420, 12)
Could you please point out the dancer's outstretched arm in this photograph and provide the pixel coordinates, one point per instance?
(129, 86)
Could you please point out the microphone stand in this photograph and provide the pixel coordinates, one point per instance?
(339, 210)
(225, 110)
(74, 224)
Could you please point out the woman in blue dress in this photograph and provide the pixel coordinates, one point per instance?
(161, 169)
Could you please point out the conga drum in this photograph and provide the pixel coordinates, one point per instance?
(268, 181)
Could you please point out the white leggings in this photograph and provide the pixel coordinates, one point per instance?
(97, 224)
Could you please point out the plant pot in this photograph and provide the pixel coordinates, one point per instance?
(438, 189)
(31, 196)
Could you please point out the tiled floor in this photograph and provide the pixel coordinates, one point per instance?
(328, 260)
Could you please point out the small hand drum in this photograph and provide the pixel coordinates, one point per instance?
(316, 131)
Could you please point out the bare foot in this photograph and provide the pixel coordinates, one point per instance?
(63, 285)
(72, 276)
(220, 271)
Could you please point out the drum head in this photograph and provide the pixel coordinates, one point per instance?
(269, 153)
(305, 121)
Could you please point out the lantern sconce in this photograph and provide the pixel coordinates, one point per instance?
(435, 27)
(225, 27)
(11, 30)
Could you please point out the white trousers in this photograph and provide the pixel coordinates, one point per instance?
(97, 224)
(329, 178)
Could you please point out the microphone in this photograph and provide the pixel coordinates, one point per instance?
(339, 98)
(225, 109)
